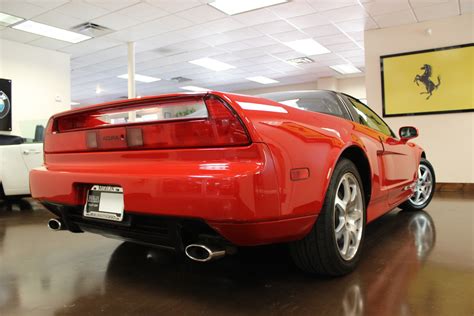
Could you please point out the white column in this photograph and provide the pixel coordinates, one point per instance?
(131, 70)
(132, 115)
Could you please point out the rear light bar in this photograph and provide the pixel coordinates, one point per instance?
(192, 122)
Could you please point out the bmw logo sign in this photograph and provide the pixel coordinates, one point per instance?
(4, 105)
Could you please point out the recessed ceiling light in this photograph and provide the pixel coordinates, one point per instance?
(346, 69)
(194, 88)
(7, 19)
(141, 78)
(51, 31)
(74, 103)
(300, 61)
(308, 47)
(262, 80)
(232, 7)
(212, 64)
(98, 90)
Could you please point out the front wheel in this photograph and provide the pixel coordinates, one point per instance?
(424, 189)
(333, 246)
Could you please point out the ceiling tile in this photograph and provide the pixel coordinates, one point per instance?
(334, 39)
(290, 36)
(21, 9)
(116, 21)
(81, 10)
(174, 5)
(437, 11)
(292, 9)
(221, 25)
(56, 19)
(357, 25)
(380, 7)
(309, 20)
(90, 46)
(395, 18)
(201, 14)
(321, 30)
(143, 12)
(324, 5)
(47, 4)
(345, 14)
(148, 29)
(112, 5)
(256, 17)
(17, 35)
(274, 27)
(49, 43)
(424, 3)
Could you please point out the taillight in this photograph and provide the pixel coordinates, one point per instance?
(182, 123)
(227, 128)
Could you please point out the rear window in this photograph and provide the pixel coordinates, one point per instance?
(315, 101)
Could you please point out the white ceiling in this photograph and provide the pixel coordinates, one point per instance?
(169, 33)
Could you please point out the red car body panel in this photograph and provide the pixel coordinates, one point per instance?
(245, 193)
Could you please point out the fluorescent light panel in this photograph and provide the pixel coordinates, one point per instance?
(262, 80)
(212, 64)
(194, 88)
(346, 69)
(7, 19)
(232, 7)
(51, 31)
(74, 103)
(141, 78)
(308, 47)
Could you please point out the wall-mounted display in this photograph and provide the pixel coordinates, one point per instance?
(5, 105)
(431, 81)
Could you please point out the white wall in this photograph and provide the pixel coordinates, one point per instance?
(448, 139)
(38, 77)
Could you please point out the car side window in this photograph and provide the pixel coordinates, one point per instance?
(315, 101)
(367, 117)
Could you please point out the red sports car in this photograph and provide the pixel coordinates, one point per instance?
(205, 173)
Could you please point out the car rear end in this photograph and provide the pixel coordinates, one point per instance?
(162, 170)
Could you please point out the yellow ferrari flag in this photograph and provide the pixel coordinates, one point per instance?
(433, 81)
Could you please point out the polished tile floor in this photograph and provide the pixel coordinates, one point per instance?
(413, 264)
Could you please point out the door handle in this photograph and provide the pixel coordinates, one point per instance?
(31, 152)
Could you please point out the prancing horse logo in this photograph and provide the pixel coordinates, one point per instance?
(424, 78)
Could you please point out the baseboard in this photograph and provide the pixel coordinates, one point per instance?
(454, 187)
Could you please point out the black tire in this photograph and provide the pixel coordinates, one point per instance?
(318, 252)
(408, 205)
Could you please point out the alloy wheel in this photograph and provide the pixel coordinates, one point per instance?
(348, 216)
(424, 186)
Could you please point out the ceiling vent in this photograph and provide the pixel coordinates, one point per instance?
(180, 79)
(300, 61)
(91, 29)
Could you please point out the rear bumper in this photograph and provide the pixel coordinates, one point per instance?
(232, 190)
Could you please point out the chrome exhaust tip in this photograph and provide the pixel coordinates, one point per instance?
(55, 224)
(202, 253)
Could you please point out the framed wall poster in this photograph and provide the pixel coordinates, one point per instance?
(5, 105)
(431, 81)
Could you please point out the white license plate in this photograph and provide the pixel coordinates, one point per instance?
(104, 202)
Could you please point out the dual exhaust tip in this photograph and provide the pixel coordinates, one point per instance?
(203, 253)
(56, 224)
(195, 252)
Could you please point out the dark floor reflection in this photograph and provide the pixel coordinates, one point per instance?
(264, 281)
(404, 271)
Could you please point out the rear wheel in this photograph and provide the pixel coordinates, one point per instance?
(333, 245)
(424, 189)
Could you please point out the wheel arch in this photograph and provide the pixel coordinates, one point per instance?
(358, 156)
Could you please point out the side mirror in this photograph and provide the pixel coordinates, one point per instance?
(407, 132)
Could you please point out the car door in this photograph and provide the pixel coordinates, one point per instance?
(398, 159)
(15, 164)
